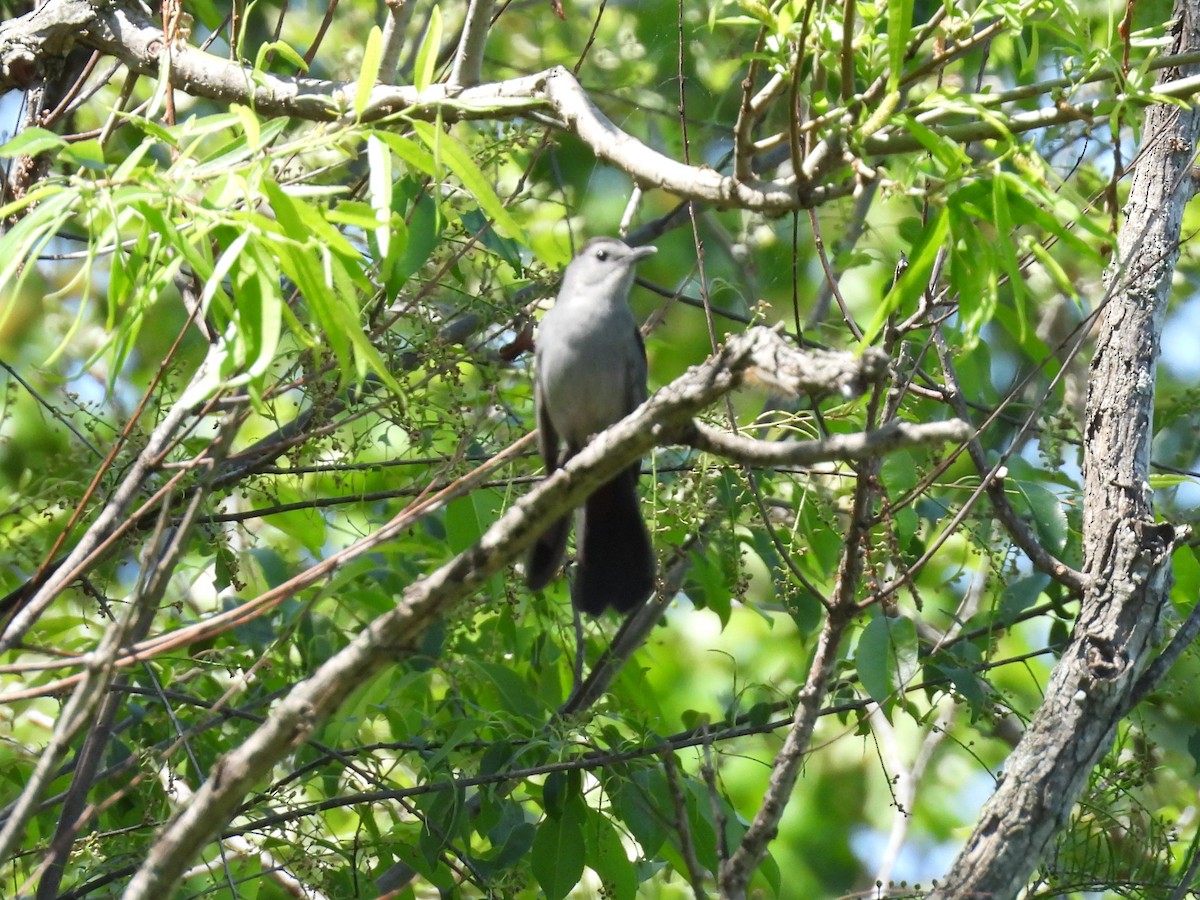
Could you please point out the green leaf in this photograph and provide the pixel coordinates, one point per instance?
(1057, 274)
(606, 855)
(88, 154)
(513, 846)
(1193, 745)
(305, 223)
(948, 153)
(965, 681)
(1046, 509)
(409, 151)
(1186, 569)
(558, 852)
(326, 283)
(514, 694)
(707, 584)
(427, 53)
(886, 657)
(31, 142)
(899, 24)
(368, 72)
(421, 239)
(125, 171)
(1005, 249)
(458, 160)
(1020, 595)
(559, 789)
(250, 125)
(21, 245)
(379, 189)
(259, 310)
(973, 276)
(634, 801)
(465, 729)
(915, 280)
(443, 820)
(287, 52)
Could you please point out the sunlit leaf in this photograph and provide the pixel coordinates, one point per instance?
(557, 856)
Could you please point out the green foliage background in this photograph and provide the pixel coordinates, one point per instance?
(379, 278)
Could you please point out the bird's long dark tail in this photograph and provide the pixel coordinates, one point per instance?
(546, 556)
(616, 560)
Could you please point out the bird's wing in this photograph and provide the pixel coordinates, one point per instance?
(547, 436)
(637, 373)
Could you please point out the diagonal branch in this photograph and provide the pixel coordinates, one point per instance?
(397, 633)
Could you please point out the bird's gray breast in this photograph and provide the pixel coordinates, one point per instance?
(589, 360)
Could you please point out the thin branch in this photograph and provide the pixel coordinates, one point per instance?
(397, 17)
(736, 871)
(743, 129)
(397, 633)
(89, 692)
(110, 517)
(893, 436)
(907, 778)
(1018, 529)
(1180, 641)
(468, 59)
(554, 95)
(687, 848)
(636, 629)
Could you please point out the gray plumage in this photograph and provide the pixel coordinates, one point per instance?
(591, 372)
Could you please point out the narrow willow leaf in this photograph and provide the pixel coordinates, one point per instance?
(915, 279)
(1006, 233)
(21, 245)
(262, 317)
(427, 53)
(379, 182)
(250, 125)
(368, 73)
(410, 152)
(326, 282)
(899, 16)
(458, 160)
(31, 142)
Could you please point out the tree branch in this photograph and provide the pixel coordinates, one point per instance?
(1125, 552)
(468, 59)
(892, 436)
(397, 633)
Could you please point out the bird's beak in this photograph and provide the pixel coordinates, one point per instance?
(643, 252)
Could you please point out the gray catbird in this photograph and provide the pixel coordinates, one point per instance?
(591, 372)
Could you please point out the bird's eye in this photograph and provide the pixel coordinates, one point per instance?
(602, 255)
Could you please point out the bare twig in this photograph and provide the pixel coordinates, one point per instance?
(395, 23)
(687, 848)
(468, 59)
(885, 439)
(1018, 529)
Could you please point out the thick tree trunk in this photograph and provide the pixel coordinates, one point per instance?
(1126, 555)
